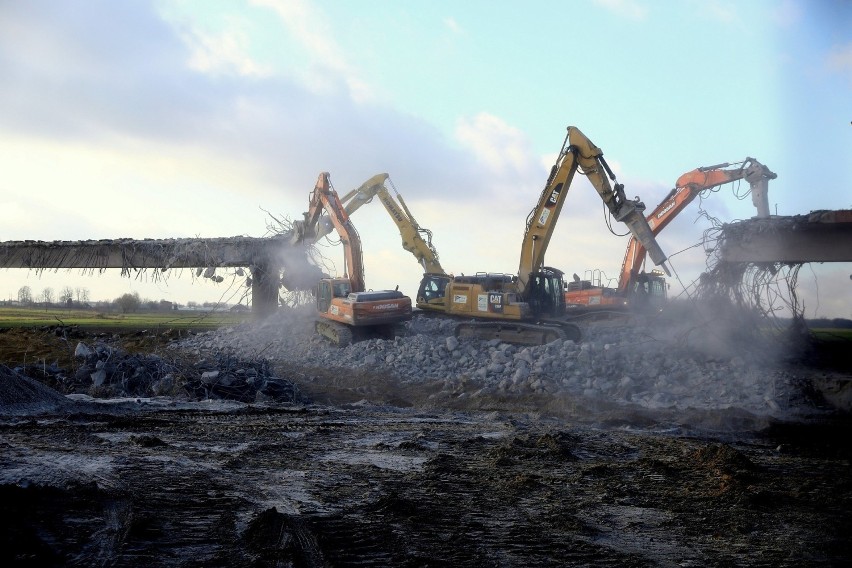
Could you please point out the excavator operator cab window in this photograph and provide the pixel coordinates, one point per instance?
(546, 294)
(323, 296)
(657, 288)
(341, 289)
(432, 287)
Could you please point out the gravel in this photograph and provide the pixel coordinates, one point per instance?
(648, 366)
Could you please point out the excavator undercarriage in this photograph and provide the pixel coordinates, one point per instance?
(342, 335)
(539, 333)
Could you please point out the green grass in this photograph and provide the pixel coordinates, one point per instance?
(36, 317)
(832, 334)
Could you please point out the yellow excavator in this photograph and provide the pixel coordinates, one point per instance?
(529, 308)
(346, 311)
(648, 290)
(415, 239)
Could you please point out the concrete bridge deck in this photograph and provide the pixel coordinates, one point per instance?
(820, 236)
(263, 257)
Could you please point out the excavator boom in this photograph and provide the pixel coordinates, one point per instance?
(415, 239)
(688, 187)
(352, 201)
(578, 152)
(324, 198)
(530, 307)
(412, 234)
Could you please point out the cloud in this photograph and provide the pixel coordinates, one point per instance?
(308, 27)
(630, 9)
(502, 147)
(453, 25)
(787, 13)
(839, 60)
(719, 11)
(223, 54)
(118, 74)
(115, 68)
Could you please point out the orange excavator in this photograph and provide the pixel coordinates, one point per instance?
(643, 289)
(346, 311)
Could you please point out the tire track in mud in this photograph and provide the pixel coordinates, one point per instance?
(362, 486)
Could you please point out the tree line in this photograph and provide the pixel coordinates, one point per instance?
(79, 298)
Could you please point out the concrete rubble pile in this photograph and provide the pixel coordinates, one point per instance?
(625, 365)
(105, 371)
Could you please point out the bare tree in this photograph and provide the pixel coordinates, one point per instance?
(47, 295)
(25, 295)
(82, 295)
(67, 295)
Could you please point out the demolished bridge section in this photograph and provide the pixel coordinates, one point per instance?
(265, 258)
(820, 236)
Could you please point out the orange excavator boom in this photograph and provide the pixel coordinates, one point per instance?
(324, 198)
(688, 187)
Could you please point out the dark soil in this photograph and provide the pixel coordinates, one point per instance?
(370, 475)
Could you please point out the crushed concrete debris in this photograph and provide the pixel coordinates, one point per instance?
(105, 371)
(627, 365)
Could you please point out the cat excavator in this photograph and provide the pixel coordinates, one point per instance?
(415, 239)
(648, 290)
(529, 307)
(346, 311)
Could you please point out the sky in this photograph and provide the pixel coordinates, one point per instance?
(212, 118)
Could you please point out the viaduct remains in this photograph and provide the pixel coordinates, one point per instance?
(821, 236)
(262, 257)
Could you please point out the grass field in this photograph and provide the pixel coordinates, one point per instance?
(34, 317)
(833, 334)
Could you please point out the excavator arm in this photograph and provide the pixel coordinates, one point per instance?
(353, 201)
(415, 239)
(578, 152)
(687, 188)
(412, 234)
(324, 198)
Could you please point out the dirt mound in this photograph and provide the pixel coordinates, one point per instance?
(22, 395)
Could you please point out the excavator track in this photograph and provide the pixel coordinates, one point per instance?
(519, 333)
(337, 333)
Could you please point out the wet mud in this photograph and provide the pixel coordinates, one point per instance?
(370, 486)
(372, 472)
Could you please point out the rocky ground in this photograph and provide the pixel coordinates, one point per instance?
(653, 444)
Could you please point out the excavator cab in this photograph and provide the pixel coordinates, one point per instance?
(545, 293)
(341, 288)
(649, 291)
(324, 295)
(432, 289)
(330, 289)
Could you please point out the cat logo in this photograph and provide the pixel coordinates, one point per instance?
(554, 197)
(551, 202)
(495, 303)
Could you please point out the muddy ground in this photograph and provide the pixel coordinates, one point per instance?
(368, 472)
